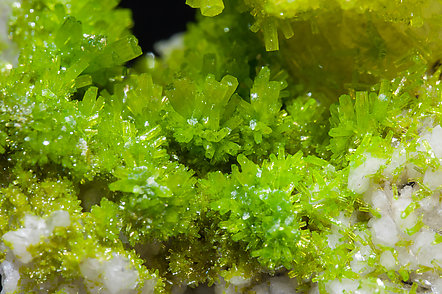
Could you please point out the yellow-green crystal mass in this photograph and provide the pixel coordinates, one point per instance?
(283, 145)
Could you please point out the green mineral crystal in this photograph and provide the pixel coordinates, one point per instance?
(281, 146)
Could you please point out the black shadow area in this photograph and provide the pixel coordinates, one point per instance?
(157, 20)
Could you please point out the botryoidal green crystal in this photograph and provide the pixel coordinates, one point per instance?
(275, 147)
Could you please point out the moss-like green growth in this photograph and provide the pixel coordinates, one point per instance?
(229, 160)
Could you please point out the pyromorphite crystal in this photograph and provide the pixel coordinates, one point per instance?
(281, 147)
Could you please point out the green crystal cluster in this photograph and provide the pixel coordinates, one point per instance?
(277, 138)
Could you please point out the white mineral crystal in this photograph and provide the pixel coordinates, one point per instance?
(35, 228)
(236, 285)
(358, 178)
(398, 218)
(388, 261)
(270, 285)
(109, 276)
(166, 47)
(434, 138)
(17, 243)
(9, 52)
(149, 286)
(10, 275)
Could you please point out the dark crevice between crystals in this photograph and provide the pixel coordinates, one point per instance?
(92, 192)
(435, 67)
(157, 20)
(201, 253)
(6, 176)
(202, 166)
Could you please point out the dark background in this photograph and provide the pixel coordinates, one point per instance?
(157, 20)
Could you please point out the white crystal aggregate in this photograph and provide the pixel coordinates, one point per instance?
(236, 285)
(358, 178)
(9, 52)
(337, 286)
(280, 285)
(35, 228)
(166, 47)
(10, 275)
(114, 275)
(405, 228)
(272, 285)
(109, 276)
(16, 244)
